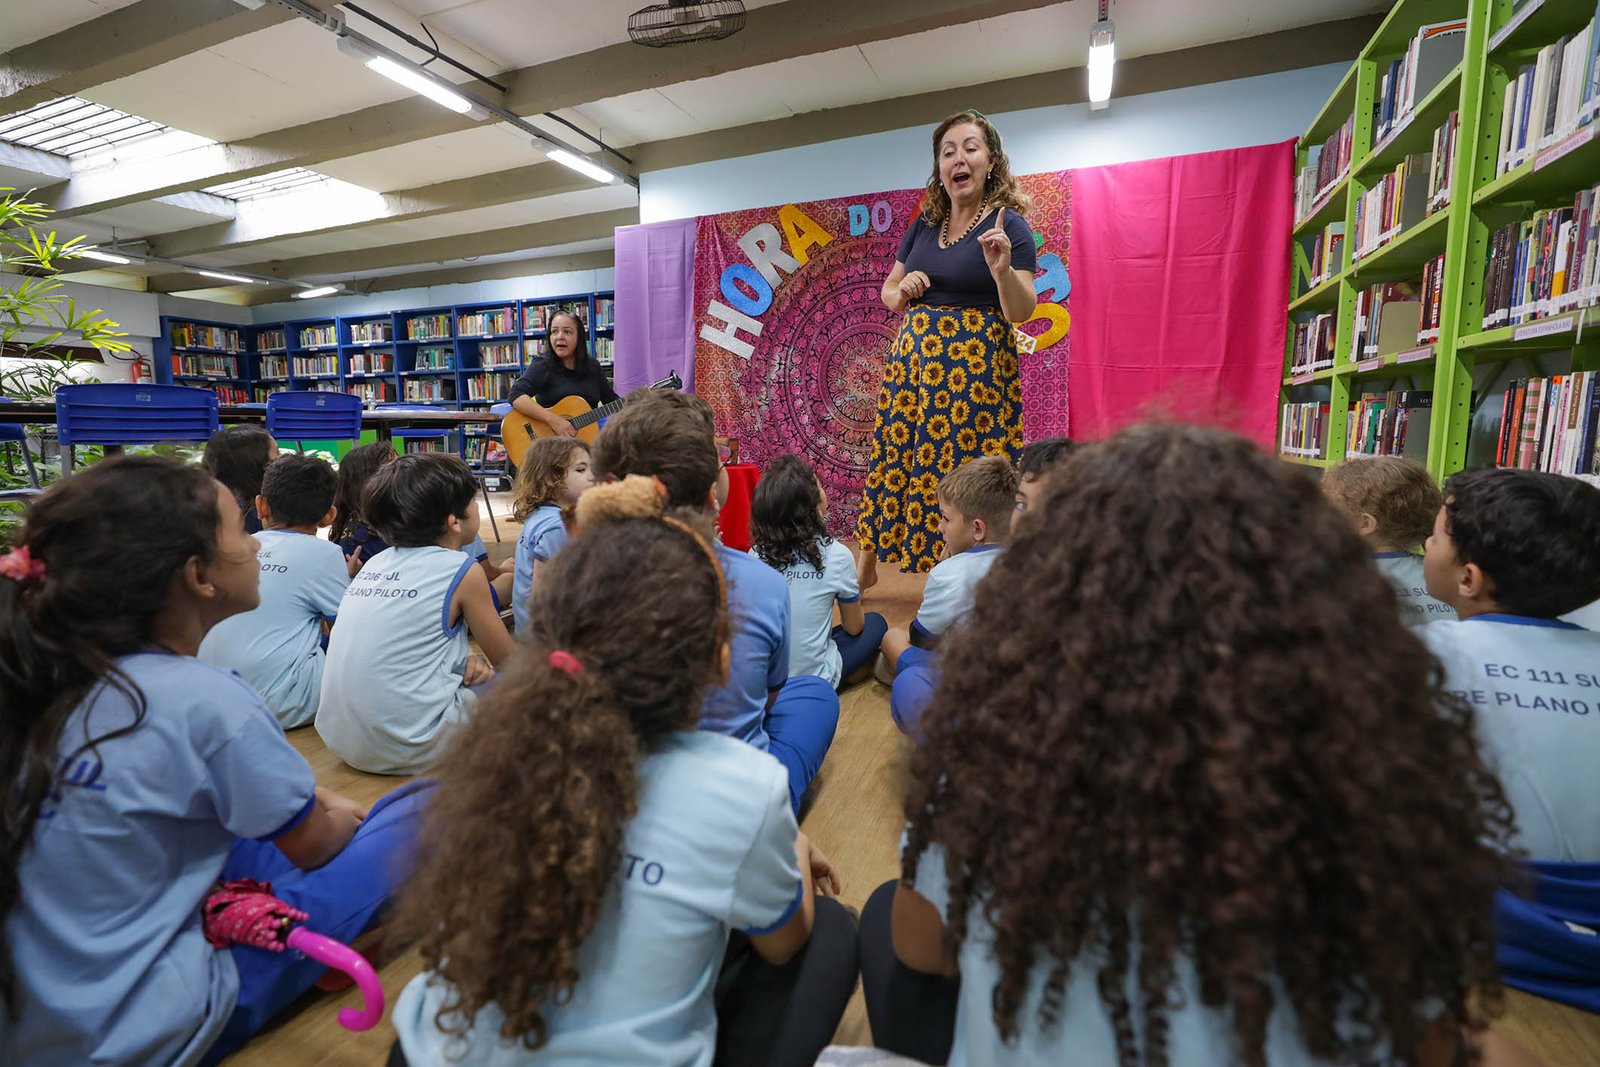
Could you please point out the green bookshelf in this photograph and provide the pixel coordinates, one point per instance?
(1464, 367)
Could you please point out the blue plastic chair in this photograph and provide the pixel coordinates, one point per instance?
(314, 416)
(127, 414)
(15, 433)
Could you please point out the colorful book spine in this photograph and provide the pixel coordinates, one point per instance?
(375, 331)
(428, 327)
(487, 323)
(319, 336)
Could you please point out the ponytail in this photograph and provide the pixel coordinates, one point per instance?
(80, 607)
(523, 841)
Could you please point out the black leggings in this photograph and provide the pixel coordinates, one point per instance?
(912, 1014)
(777, 1016)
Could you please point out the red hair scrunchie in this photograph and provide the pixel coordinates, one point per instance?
(563, 660)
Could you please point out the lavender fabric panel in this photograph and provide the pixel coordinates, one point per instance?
(655, 303)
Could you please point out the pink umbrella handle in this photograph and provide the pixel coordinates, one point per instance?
(342, 957)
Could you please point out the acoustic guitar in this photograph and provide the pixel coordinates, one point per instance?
(518, 431)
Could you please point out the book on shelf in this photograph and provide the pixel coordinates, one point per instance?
(428, 327)
(1432, 53)
(491, 385)
(1313, 344)
(1544, 265)
(1551, 424)
(1327, 164)
(205, 366)
(260, 393)
(376, 330)
(378, 361)
(371, 392)
(605, 312)
(1388, 318)
(1443, 169)
(500, 354)
(1381, 425)
(200, 335)
(435, 357)
(319, 336)
(1396, 202)
(228, 394)
(309, 365)
(1431, 314)
(1327, 251)
(267, 340)
(536, 317)
(1551, 97)
(423, 444)
(322, 387)
(274, 367)
(605, 350)
(1304, 429)
(430, 389)
(485, 323)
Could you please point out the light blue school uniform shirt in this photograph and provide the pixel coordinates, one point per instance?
(107, 943)
(1587, 617)
(391, 689)
(277, 648)
(758, 604)
(1404, 571)
(1197, 1036)
(543, 535)
(947, 597)
(476, 550)
(1534, 685)
(812, 594)
(711, 849)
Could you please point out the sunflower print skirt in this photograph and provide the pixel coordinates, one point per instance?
(950, 393)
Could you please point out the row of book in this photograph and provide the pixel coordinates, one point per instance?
(366, 333)
(536, 317)
(205, 366)
(371, 392)
(309, 365)
(430, 389)
(479, 450)
(1327, 254)
(1432, 53)
(605, 349)
(379, 362)
(1313, 344)
(1551, 97)
(1394, 204)
(485, 323)
(1551, 424)
(1432, 293)
(1443, 170)
(319, 336)
(1328, 162)
(436, 358)
(199, 335)
(605, 313)
(1380, 425)
(1388, 318)
(1304, 429)
(229, 394)
(423, 444)
(490, 386)
(428, 327)
(274, 367)
(500, 354)
(271, 340)
(1545, 265)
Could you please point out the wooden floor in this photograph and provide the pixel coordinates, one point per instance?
(856, 820)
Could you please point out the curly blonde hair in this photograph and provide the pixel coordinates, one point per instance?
(542, 474)
(999, 190)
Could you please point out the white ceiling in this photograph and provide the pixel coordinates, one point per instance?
(291, 74)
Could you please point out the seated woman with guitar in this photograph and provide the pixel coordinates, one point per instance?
(566, 369)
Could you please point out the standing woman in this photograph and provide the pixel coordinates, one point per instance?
(565, 369)
(950, 390)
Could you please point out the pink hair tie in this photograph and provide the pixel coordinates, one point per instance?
(20, 566)
(563, 660)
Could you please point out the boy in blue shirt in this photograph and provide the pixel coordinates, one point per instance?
(277, 648)
(668, 435)
(1512, 551)
(976, 503)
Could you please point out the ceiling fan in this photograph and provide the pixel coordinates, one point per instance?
(685, 22)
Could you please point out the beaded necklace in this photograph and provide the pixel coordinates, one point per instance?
(944, 231)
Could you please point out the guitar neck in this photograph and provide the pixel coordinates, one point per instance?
(596, 414)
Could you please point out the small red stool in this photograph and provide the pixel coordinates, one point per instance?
(734, 522)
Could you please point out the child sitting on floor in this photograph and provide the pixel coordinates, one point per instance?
(137, 777)
(620, 858)
(351, 532)
(1154, 821)
(668, 434)
(1037, 459)
(553, 474)
(237, 456)
(976, 503)
(277, 648)
(786, 523)
(1392, 503)
(399, 670)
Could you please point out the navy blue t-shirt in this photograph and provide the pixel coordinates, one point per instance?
(958, 275)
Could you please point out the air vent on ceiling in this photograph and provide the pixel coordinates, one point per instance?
(685, 22)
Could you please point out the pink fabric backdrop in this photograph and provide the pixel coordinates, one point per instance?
(1179, 307)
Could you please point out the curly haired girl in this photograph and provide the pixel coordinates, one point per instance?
(350, 530)
(1207, 803)
(590, 850)
(553, 474)
(790, 537)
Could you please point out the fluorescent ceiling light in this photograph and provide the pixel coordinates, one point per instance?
(1102, 58)
(573, 161)
(321, 290)
(225, 277)
(412, 78)
(104, 257)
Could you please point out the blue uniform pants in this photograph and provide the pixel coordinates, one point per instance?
(800, 726)
(857, 650)
(915, 680)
